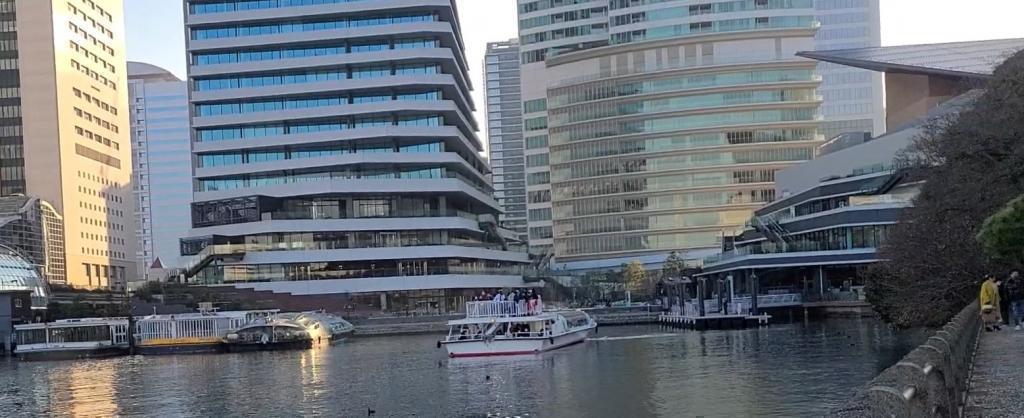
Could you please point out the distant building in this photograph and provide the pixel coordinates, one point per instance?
(162, 163)
(835, 212)
(505, 135)
(34, 228)
(64, 129)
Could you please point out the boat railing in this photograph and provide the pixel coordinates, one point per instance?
(503, 309)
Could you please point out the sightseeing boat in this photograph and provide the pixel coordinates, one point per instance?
(273, 334)
(511, 328)
(72, 339)
(201, 332)
(323, 328)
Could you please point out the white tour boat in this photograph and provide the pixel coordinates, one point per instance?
(511, 328)
(72, 339)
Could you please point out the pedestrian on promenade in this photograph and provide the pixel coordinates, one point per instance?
(1015, 294)
(989, 300)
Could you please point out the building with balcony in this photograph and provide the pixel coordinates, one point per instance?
(505, 134)
(834, 212)
(162, 162)
(64, 130)
(336, 153)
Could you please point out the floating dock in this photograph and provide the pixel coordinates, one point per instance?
(707, 322)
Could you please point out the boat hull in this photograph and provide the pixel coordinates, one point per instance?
(72, 354)
(271, 346)
(168, 349)
(518, 346)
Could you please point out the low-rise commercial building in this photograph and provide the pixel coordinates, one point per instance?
(834, 212)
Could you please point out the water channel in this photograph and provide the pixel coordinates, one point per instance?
(791, 370)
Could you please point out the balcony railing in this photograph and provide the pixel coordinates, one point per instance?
(504, 309)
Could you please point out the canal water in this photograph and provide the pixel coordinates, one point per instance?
(787, 370)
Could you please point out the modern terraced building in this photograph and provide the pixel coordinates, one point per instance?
(335, 152)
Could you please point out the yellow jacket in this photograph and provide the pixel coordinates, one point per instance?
(989, 294)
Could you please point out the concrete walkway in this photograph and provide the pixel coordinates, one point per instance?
(997, 386)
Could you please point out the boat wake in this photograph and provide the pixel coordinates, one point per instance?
(632, 337)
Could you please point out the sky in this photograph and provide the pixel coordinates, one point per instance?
(156, 35)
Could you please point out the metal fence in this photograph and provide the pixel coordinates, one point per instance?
(931, 381)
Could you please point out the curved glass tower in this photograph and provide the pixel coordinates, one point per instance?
(669, 137)
(335, 152)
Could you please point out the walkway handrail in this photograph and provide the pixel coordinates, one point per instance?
(931, 381)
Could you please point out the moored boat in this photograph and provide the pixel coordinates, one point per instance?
(510, 328)
(201, 332)
(268, 335)
(72, 339)
(323, 328)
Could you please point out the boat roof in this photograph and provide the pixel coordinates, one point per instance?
(72, 323)
(273, 324)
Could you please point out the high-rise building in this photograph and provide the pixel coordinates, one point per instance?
(63, 61)
(505, 134)
(548, 28)
(666, 133)
(852, 96)
(162, 162)
(336, 153)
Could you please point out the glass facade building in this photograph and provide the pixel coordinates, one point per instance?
(664, 132)
(162, 163)
(34, 228)
(356, 170)
(505, 133)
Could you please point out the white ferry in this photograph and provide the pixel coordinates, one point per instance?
(514, 328)
(72, 339)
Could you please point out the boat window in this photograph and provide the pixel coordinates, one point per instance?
(80, 334)
(31, 336)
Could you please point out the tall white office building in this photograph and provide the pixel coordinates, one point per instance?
(505, 133)
(162, 166)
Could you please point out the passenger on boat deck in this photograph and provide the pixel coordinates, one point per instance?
(499, 297)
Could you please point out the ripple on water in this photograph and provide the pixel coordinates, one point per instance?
(786, 370)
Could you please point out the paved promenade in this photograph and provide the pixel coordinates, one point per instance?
(997, 387)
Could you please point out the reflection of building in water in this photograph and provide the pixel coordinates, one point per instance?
(88, 388)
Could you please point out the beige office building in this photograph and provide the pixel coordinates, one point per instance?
(63, 61)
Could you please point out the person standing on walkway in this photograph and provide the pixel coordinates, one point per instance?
(1015, 294)
(989, 300)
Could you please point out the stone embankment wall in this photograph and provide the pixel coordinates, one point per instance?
(931, 381)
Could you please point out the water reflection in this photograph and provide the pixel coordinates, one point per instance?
(785, 370)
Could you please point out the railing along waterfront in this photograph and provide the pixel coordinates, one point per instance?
(931, 381)
(490, 309)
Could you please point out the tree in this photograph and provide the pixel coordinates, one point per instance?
(635, 277)
(971, 163)
(1002, 234)
(673, 267)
